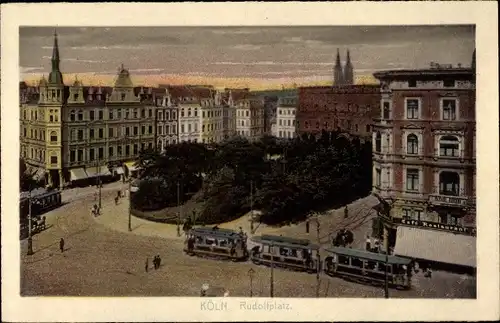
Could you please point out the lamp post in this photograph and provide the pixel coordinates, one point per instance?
(386, 211)
(271, 289)
(129, 205)
(30, 239)
(318, 257)
(251, 207)
(99, 178)
(251, 272)
(178, 210)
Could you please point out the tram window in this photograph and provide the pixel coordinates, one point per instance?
(355, 262)
(209, 241)
(293, 253)
(372, 265)
(199, 239)
(344, 260)
(223, 243)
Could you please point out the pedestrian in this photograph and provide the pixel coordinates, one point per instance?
(377, 246)
(159, 261)
(146, 267)
(155, 262)
(346, 212)
(61, 245)
(368, 243)
(307, 226)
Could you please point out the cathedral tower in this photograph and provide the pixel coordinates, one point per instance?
(338, 77)
(348, 71)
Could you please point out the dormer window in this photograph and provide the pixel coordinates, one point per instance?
(123, 96)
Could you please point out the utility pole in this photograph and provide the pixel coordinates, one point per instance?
(251, 207)
(99, 178)
(386, 241)
(30, 239)
(318, 258)
(129, 205)
(271, 289)
(178, 209)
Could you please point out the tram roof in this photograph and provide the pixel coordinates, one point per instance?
(369, 255)
(37, 193)
(285, 241)
(212, 231)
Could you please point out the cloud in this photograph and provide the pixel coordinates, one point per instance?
(30, 69)
(246, 47)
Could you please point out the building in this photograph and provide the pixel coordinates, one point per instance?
(212, 128)
(271, 98)
(188, 102)
(78, 132)
(167, 121)
(347, 108)
(285, 117)
(249, 114)
(343, 75)
(424, 162)
(228, 115)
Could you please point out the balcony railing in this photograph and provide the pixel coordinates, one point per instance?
(449, 200)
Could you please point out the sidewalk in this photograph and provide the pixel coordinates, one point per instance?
(115, 217)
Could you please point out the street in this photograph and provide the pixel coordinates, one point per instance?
(101, 260)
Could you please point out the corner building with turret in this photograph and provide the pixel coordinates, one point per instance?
(73, 133)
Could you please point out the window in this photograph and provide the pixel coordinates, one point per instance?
(110, 132)
(91, 154)
(150, 113)
(51, 118)
(80, 115)
(101, 133)
(449, 183)
(91, 133)
(135, 113)
(378, 177)
(189, 112)
(412, 144)
(182, 113)
(80, 154)
(127, 150)
(101, 152)
(72, 156)
(150, 129)
(167, 115)
(101, 114)
(119, 150)
(143, 130)
(110, 151)
(91, 115)
(449, 109)
(53, 159)
(53, 136)
(136, 149)
(412, 180)
(449, 83)
(167, 129)
(378, 142)
(119, 113)
(80, 134)
(182, 128)
(174, 130)
(195, 112)
(387, 110)
(123, 97)
(127, 114)
(410, 214)
(412, 106)
(110, 115)
(448, 146)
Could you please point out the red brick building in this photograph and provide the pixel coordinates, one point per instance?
(424, 161)
(349, 108)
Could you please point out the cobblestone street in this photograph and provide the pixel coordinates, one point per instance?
(103, 259)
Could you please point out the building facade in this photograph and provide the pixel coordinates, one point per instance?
(81, 132)
(212, 128)
(348, 108)
(249, 114)
(286, 118)
(166, 122)
(424, 161)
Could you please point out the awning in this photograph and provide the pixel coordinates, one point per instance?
(119, 170)
(434, 245)
(97, 171)
(77, 173)
(39, 174)
(131, 166)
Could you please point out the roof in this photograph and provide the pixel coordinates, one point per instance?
(37, 193)
(215, 232)
(427, 72)
(341, 89)
(438, 246)
(285, 241)
(369, 255)
(192, 93)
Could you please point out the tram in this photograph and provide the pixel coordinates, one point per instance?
(284, 252)
(216, 243)
(40, 203)
(368, 267)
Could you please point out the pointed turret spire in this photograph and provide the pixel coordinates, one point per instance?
(55, 76)
(348, 70)
(338, 78)
(348, 61)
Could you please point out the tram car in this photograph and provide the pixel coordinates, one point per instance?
(41, 201)
(216, 243)
(284, 252)
(368, 267)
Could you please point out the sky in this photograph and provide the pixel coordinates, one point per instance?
(255, 57)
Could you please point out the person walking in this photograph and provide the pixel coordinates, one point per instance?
(368, 243)
(346, 212)
(146, 267)
(159, 261)
(61, 245)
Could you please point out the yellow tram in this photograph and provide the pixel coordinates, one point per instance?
(295, 254)
(368, 267)
(216, 243)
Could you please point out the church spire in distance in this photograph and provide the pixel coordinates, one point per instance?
(348, 70)
(338, 78)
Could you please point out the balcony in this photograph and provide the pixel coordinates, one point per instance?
(448, 200)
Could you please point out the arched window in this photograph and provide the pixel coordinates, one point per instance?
(189, 112)
(80, 115)
(378, 142)
(448, 146)
(72, 115)
(53, 136)
(412, 144)
(449, 183)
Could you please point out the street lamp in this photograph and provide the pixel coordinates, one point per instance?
(178, 210)
(251, 273)
(30, 239)
(385, 212)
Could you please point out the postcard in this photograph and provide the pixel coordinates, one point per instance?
(250, 162)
